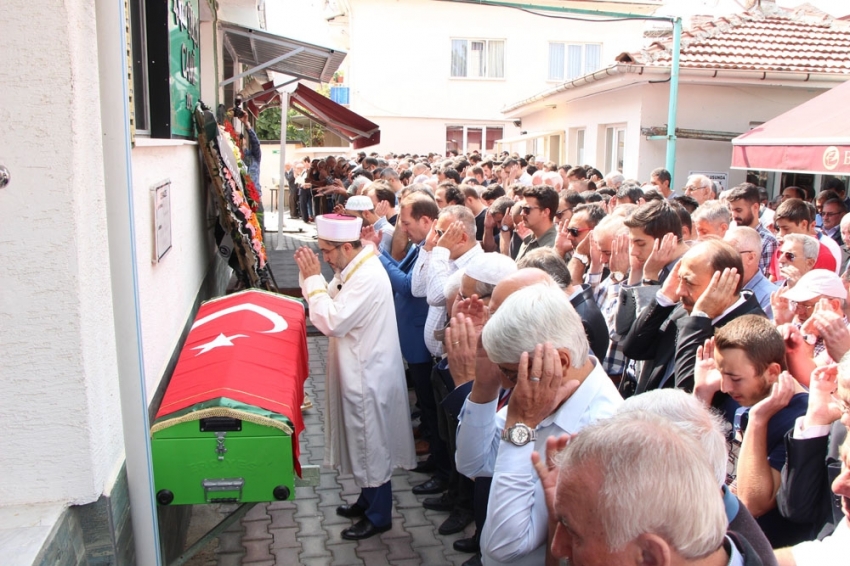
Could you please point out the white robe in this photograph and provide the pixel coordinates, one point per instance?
(368, 430)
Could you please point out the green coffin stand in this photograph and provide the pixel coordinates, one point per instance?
(222, 452)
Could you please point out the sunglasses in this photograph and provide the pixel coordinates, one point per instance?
(574, 232)
(790, 256)
(527, 209)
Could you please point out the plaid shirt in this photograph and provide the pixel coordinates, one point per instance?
(607, 293)
(768, 248)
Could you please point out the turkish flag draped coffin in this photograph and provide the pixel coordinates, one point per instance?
(249, 347)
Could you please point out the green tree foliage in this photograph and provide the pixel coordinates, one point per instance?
(268, 128)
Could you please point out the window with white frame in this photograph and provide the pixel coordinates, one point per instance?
(568, 61)
(466, 139)
(478, 58)
(615, 148)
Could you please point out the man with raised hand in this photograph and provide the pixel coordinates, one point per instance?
(367, 432)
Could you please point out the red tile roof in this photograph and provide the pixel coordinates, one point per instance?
(801, 40)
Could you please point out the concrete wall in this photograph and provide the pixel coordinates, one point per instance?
(167, 290)
(390, 84)
(58, 384)
(728, 108)
(59, 404)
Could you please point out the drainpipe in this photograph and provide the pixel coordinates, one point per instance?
(118, 179)
(674, 100)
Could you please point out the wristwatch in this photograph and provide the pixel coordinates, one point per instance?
(505, 228)
(618, 276)
(582, 258)
(519, 435)
(650, 282)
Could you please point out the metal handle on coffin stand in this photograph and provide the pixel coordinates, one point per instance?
(223, 485)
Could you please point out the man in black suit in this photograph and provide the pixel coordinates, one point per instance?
(703, 292)
(812, 460)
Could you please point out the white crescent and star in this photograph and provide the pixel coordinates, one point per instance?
(278, 322)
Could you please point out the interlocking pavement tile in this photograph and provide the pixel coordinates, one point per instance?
(400, 549)
(344, 555)
(279, 505)
(313, 546)
(307, 508)
(229, 542)
(328, 481)
(456, 558)
(282, 518)
(310, 526)
(307, 492)
(285, 538)
(256, 513)
(230, 559)
(423, 536)
(370, 544)
(401, 483)
(329, 497)
(315, 561)
(256, 551)
(432, 556)
(374, 557)
(257, 530)
(348, 487)
(289, 556)
(414, 517)
(396, 531)
(330, 518)
(406, 499)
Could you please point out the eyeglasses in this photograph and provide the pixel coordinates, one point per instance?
(796, 306)
(527, 209)
(574, 232)
(691, 189)
(324, 251)
(790, 256)
(560, 213)
(830, 214)
(463, 298)
(842, 405)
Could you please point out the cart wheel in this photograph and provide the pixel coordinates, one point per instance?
(281, 492)
(164, 497)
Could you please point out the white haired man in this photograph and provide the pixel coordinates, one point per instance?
(700, 188)
(634, 490)
(537, 340)
(712, 218)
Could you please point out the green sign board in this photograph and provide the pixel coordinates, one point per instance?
(184, 47)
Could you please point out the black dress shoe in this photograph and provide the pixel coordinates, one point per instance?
(466, 544)
(425, 467)
(474, 561)
(430, 487)
(350, 511)
(456, 522)
(443, 503)
(363, 529)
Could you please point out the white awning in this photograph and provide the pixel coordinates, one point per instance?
(267, 51)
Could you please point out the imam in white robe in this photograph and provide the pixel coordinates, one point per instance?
(368, 429)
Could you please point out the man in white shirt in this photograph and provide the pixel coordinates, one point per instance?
(537, 340)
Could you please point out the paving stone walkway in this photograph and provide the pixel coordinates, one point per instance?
(307, 531)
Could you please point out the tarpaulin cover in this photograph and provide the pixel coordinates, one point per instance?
(360, 131)
(246, 353)
(812, 138)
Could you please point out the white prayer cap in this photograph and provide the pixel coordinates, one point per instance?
(490, 268)
(359, 202)
(338, 228)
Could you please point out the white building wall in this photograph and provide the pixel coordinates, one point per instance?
(390, 82)
(59, 406)
(726, 108)
(168, 289)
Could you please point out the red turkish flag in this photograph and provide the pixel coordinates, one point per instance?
(250, 347)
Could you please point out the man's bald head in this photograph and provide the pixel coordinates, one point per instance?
(516, 281)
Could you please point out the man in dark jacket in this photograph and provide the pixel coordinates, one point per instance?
(703, 292)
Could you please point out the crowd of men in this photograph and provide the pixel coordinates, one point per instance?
(606, 370)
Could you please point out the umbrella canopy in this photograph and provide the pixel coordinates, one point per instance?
(811, 138)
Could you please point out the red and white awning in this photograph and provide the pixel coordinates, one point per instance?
(811, 138)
